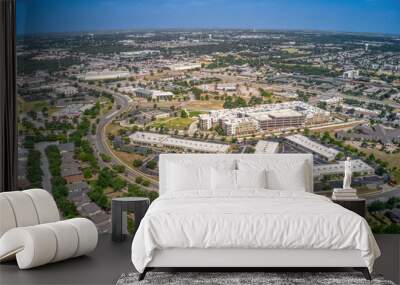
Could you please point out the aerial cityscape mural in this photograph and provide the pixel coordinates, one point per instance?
(97, 106)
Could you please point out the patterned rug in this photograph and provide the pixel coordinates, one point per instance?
(244, 278)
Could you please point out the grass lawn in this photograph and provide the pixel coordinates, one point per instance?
(195, 113)
(205, 105)
(393, 159)
(363, 190)
(113, 129)
(105, 108)
(36, 106)
(127, 157)
(173, 123)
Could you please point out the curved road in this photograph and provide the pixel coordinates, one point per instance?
(100, 139)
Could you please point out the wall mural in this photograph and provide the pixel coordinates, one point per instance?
(98, 103)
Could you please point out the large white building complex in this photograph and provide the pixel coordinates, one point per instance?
(351, 74)
(146, 93)
(66, 90)
(357, 166)
(105, 74)
(319, 149)
(153, 94)
(139, 53)
(268, 117)
(168, 141)
(185, 66)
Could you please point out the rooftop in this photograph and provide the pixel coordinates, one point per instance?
(70, 171)
(166, 140)
(91, 208)
(329, 153)
(284, 113)
(357, 166)
(266, 147)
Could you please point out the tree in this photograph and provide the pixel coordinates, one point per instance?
(105, 157)
(34, 171)
(371, 157)
(219, 130)
(152, 164)
(255, 101)
(105, 177)
(340, 156)
(322, 105)
(376, 206)
(58, 183)
(184, 113)
(87, 173)
(265, 94)
(137, 163)
(139, 180)
(197, 92)
(119, 168)
(117, 184)
(231, 103)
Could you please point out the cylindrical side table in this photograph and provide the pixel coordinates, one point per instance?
(120, 207)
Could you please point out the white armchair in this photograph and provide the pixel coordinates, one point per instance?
(31, 230)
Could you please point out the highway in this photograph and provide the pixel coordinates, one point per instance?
(99, 141)
(384, 195)
(368, 100)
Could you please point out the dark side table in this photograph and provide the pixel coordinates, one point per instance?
(358, 206)
(119, 208)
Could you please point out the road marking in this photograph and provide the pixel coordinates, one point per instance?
(112, 114)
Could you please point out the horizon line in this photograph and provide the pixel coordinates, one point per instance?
(103, 31)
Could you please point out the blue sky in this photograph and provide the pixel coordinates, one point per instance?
(36, 16)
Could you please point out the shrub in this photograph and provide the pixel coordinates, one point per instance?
(152, 164)
(119, 168)
(137, 163)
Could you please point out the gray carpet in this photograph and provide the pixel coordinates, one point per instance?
(239, 278)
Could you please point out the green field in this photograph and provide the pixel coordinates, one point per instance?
(35, 106)
(173, 123)
(195, 113)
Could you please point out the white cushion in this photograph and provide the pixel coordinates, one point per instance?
(66, 238)
(186, 177)
(32, 246)
(87, 235)
(251, 179)
(46, 207)
(23, 208)
(223, 179)
(7, 218)
(281, 174)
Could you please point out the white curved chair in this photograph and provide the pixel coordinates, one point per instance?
(31, 230)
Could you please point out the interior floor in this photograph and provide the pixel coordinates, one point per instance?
(103, 266)
(110, 259)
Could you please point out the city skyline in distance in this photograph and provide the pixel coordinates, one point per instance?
(48, 16)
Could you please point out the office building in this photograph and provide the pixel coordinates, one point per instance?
(325, 152)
